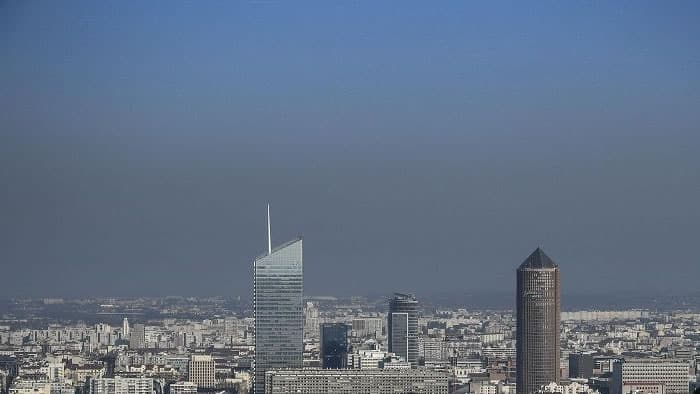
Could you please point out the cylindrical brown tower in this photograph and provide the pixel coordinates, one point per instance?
(538, 314)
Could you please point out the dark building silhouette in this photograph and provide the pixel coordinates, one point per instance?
(110, 361)
(334, 345)
(402, 326)
(537, 330)
(580, 365)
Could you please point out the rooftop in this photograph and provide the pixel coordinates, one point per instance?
(538, 259)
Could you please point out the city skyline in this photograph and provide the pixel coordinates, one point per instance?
(411, 154)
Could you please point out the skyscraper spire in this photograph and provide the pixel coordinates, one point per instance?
(269, 237)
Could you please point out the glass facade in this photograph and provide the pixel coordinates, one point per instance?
(402, 327)
(334, 345)
(278, 311)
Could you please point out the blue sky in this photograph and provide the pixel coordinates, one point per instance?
(443, 138)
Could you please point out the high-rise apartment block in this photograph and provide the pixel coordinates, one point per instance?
(202, 371)
(137, 339)
(537, 322)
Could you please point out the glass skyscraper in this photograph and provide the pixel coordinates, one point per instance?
(278, 310)
(334, 345)
(537, 329)
(402, 322)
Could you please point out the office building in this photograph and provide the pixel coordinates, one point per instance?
(581, 365)
(201, 371)
(657, 376)
(538, 308)
(402, 327)
(278, 309)
(120, 385)
(334, 345)
(350, 381)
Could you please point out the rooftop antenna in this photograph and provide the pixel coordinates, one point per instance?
(269, 237)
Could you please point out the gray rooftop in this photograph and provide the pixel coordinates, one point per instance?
(538, 259)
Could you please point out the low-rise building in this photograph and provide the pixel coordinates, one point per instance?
(320, 381)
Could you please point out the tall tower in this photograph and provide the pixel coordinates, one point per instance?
(538, 314)
(125, 328)
(278, 309)
(402, 326)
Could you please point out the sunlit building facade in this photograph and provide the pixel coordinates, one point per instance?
(278, 310)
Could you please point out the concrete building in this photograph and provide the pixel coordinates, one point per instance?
(137, 339)
(581, 365)
(202, 371)
(25, 387)
(431, 349)
(351, 381)
(649, 375)
(183, 388)
(368, 359)
(402, 326)
(571, 388)
(537, 322)
(120, 385)
(368, 327)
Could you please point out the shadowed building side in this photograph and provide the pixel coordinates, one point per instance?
(334, 345)
(402, 327)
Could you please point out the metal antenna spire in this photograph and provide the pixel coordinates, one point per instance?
(269, 237)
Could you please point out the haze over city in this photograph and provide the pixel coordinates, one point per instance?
(359, 197)
(436, 146)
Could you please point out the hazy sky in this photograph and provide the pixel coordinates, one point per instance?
(416, 146)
